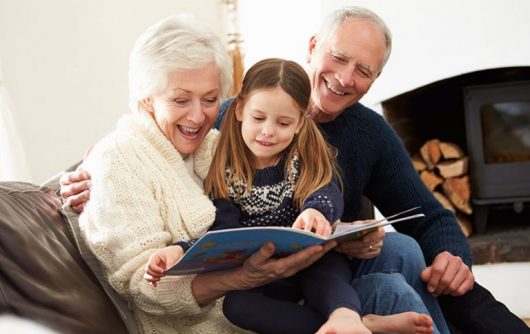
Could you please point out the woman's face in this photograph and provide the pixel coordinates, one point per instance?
(186, 110)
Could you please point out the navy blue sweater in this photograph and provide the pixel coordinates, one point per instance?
(374, 163)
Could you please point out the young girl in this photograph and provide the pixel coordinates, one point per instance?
(272, 167)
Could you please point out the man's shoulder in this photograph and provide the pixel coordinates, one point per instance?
(361, 111)
(222, 111)
(364, 117)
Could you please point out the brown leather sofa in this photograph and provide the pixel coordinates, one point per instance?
(46, 276)
(43, 277)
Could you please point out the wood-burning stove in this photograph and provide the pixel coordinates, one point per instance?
(437, 110)
(498, 140)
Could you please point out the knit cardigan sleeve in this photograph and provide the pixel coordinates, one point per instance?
(135, 209)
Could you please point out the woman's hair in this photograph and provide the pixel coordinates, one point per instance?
(315, 156)
(334, 19)
(175, 43)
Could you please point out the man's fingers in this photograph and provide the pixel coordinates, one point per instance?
(462, 282)
(78, 199)
(73, 177)
(447, 277)
(79, 208)
(466, 285)
(434, 280)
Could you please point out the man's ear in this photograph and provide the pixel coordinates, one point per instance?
(311, 48)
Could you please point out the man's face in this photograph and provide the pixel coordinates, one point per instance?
(343, 67)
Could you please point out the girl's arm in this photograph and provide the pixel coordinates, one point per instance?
(328, 200)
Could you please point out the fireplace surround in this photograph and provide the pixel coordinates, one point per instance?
(438, 110)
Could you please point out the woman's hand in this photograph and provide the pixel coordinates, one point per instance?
(259, 269)
(369, 246)
(75, 189)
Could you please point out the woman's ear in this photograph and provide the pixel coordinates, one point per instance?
(148, 105)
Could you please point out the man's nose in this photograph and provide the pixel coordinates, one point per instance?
(346, 76)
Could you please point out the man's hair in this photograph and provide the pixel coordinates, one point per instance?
(315, 156)
(174, 44)
(335, 18)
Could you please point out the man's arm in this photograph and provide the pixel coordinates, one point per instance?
(395, 186)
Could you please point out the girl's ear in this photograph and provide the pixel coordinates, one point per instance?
(148, 105)
(300, 124)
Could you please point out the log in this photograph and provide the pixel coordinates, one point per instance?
(419, 164)
(458, 190)
(430, 179)
(430, 152)
(453, 168)
(465, 224)
(450, 150)
(446, 203)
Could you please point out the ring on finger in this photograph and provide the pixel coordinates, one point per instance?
(370, 248)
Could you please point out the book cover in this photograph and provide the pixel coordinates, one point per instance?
(224, 249)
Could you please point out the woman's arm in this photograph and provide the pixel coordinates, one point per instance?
(257, 270)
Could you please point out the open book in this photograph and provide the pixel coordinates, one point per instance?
(223, 249)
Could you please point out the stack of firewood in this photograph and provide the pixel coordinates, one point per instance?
(443, 167)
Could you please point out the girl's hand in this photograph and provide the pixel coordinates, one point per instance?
(160, 261)
(313, 221)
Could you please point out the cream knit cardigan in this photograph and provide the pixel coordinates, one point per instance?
(142, 199)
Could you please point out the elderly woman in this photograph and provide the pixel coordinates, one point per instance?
(147, 183)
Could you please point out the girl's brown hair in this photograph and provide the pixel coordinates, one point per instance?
(317, 165)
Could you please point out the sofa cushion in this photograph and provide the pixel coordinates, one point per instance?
(42, 275)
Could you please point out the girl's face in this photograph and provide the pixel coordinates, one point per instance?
(269, 120)
(186, 110)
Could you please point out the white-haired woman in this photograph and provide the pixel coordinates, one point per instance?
(147, 178)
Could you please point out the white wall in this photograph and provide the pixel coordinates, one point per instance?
(65, 61)
(439, 39)
(65, 66)
(432, 39)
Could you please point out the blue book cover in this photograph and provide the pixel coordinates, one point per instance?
(224, 249)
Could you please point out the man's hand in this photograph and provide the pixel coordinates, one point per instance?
(75, 189)
(366, 248)
(448, 275)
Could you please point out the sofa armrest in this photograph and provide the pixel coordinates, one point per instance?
(42, 275)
